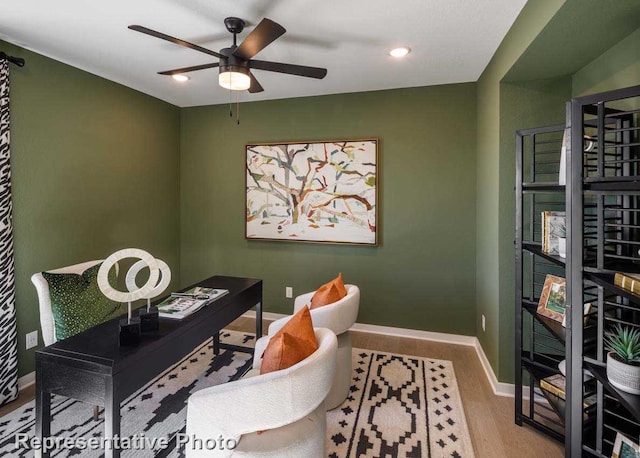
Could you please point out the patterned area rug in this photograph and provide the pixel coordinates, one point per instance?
(399, 405)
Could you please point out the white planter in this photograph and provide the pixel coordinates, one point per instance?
(623, 376)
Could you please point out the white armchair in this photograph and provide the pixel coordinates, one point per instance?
(44, 302)
(338, 317)
(44, 296)
(287, 406)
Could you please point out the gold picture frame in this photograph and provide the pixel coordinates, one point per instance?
(625, 448)
(553, 298)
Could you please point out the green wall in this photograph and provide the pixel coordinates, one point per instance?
(422, 276)
(617, 68)
(95, 168)
(528, 104)
(490, 181)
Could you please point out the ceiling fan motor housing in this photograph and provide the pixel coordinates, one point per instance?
(233, 63)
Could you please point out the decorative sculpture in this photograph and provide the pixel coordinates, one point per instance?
(130, 328)
(149, 317)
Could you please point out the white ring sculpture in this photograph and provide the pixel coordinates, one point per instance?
(165, 278)
(140, 293)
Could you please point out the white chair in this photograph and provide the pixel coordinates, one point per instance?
(278, 414)
(44, 303)
(338, 317)
(44, 296)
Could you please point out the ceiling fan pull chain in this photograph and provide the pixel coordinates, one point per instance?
(238, 109)
(230, 104)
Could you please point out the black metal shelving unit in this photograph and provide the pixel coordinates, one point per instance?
(603, 194)
(540, 341)
(602, 203)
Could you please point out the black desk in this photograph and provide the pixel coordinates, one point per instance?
(93, 368)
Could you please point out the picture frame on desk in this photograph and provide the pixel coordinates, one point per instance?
(553, 298)
(625, 447)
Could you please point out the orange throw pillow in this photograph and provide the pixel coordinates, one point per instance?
(329, 293)
(291, 344)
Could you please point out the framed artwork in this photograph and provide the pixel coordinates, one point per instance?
(625, 448)
(553, 298)
(323, 191)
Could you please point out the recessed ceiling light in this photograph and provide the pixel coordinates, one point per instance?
(181, 78)
(400, 52)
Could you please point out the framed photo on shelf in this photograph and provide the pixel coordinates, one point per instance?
(625, 448)
(553, 299)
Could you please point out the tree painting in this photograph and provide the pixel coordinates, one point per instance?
(319, 191)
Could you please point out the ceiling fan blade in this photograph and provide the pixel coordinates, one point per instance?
(259, 38)
(300, 70)
(255, 85)
(178, 41)
(177, 71)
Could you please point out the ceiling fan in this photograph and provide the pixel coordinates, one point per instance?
(236, 61)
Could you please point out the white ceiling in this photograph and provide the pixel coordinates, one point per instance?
(452, 41)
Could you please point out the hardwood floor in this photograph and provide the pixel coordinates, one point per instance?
(490, 417)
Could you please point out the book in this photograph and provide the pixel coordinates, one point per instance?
(553, 228)
(556, 385)
(627, 281)
(181, 305)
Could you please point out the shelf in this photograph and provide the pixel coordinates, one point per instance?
(557, 403)
(606, 281)
(614, 185)
(536, 248)
(554, 327)
(630, 401)
(543, 187)
(542, 365)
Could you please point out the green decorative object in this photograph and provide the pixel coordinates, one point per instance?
(77, 303)
(623, 359)
(625, 343)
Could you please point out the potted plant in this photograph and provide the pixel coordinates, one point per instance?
(623, 359)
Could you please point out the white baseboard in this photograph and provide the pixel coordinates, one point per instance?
(26, 380)
(499, 388)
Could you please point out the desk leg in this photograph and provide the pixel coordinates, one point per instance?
(111, 419)
(43, 413)
(258, 320)
(216, 344)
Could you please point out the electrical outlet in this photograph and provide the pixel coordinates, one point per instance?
(484, 324)
(32, 339)
(288, 292)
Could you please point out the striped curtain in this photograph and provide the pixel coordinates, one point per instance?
(8, 335)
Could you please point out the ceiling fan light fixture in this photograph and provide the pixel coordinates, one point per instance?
(180, 77)
(234, 80)
(400, 52)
